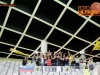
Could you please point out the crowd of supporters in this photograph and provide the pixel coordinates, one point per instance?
(59, 59)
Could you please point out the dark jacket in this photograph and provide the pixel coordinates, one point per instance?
(24, 62)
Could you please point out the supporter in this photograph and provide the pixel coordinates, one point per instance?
(54, 60)
(45, 61)
(49, 53)
(61, 58)
(60, 54)
(66, 61)
(90, 63)
(38, 60)
(70, 59)
(48, 61)
(68, 53)
(58, 61)
(82, 58)
(32, 59)
(24, 62)
(42, 60)
(77, 61)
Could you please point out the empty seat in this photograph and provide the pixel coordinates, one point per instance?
(1, 66)
(3, 72)
(9, 73)
(8, 61)
(97, 63)
(67, 73)
(62, 73)
(73, 73)
(28, 72)
(12, 64)
(16, 68)
(72, 70)
(56, 73)
(44, 73)
(5, 67)
(4, 62)
(33, 73)
(10, 70)
(82, 70)
(11, 67)
(78, 72)
(39, 73)
(50, 73)
(7, 64)
(22, 73)
(17, 63)
(0, 70)
(15, 73)
(20, 63)
(91, 71)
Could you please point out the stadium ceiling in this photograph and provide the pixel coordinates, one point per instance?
(24, 27)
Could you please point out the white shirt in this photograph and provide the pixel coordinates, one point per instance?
(42, 60)
(77, 60)
(90, 62)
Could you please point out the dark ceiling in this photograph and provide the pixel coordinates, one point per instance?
(50, 14)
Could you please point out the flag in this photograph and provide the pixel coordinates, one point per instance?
(18, 52)
(96, 46)
(26, 69)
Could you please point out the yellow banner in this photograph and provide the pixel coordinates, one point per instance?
(18, 52)
(97, 46)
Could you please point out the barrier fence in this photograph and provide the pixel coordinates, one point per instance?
(44, 69)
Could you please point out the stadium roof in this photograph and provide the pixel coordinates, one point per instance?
(57, 21)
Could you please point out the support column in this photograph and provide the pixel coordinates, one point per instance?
(43, 46)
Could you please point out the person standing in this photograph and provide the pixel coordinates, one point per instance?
(24, 62)
(54, 60)
(33, 61)
(58, 61)
(48, 61)
(90, 63)
(42, 60)
(66, 61)
(82, 58)
(77, 62)
(70, 59)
